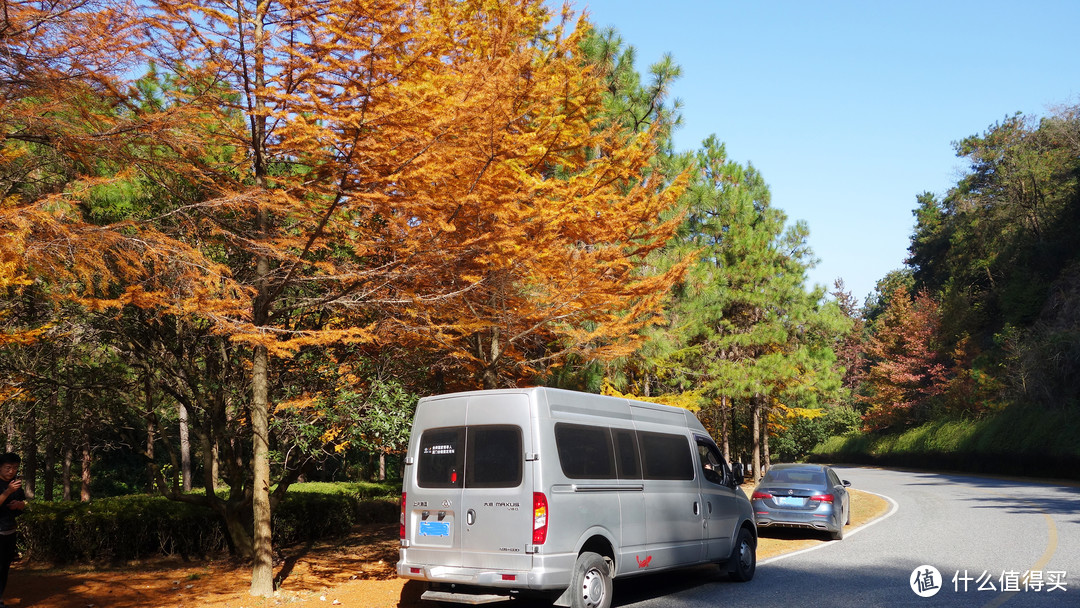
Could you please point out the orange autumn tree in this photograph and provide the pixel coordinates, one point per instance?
(325, 173)
(54, 57)
(544, 222)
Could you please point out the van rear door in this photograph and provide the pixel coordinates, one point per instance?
(497, 502)
(471, 501)
(433, 498)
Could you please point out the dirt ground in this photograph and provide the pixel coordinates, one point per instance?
(356, 571)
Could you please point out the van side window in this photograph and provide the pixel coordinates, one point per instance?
(585, 451)
(666, 456)
(494, 458)
(626, 454)
(442, 458)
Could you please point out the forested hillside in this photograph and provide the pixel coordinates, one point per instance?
(983, 323)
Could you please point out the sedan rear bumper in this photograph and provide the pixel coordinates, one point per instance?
(814, 520)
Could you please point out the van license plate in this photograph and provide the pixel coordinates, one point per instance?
(434, 528)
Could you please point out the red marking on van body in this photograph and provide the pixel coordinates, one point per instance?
(643, 563)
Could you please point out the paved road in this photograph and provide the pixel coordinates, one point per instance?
(990, 529)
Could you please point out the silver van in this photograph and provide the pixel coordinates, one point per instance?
(560, 492)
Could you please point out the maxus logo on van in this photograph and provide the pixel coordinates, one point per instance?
(558, 493)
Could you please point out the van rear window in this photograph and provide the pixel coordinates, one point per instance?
(442, 458)
(487, 456)
(494, 457)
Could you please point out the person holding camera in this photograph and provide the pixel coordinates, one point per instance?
(12, 504)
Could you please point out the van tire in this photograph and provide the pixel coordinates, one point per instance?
(743, 561)
(591, 586)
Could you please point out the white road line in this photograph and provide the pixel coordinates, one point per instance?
(893, 510)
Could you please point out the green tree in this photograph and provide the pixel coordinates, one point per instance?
(998, 252)
(742, 326)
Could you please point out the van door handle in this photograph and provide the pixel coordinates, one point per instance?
(470, 517)
(697, 508)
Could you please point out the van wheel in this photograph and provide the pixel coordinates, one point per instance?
(591, 586)
(743, 561)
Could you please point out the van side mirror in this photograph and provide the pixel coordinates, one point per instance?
(738, 472)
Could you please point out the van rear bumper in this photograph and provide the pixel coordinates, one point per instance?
(548, 573)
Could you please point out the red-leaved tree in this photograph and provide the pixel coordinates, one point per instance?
(907, 370)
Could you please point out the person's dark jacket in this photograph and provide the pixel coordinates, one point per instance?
(7, 514)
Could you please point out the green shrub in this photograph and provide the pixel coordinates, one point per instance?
(140, 526)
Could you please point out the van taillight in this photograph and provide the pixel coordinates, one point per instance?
(401, 530)
(540, 518)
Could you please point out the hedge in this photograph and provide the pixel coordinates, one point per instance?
(136, 527)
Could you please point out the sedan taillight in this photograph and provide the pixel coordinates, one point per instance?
(822, 498)
(760, 496)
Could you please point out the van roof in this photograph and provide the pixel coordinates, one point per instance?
(550, 392)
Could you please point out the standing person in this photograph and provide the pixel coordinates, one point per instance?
(12, 504)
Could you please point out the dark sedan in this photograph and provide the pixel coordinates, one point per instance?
(803, 496)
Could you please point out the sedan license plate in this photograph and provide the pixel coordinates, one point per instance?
(790, 501)
(434, 528)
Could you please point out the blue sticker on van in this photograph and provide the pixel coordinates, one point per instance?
(434, 528)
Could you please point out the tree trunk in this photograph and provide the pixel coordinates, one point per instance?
(69, 434)
(382, 466)
(151, 474)
(185, 447)
(30, 450)
(84, 488)
(489, 377)
(151, 430)
(755, 435)
(48, 480)
(69, 458)
(766, 460)
(236, 523)
(215, 466)
(725, 433)
(262, 574)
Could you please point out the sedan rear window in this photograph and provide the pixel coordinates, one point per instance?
(813, 478)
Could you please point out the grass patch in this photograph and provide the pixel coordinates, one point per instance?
(1016, 441)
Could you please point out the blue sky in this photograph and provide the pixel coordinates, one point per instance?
(849, 109)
